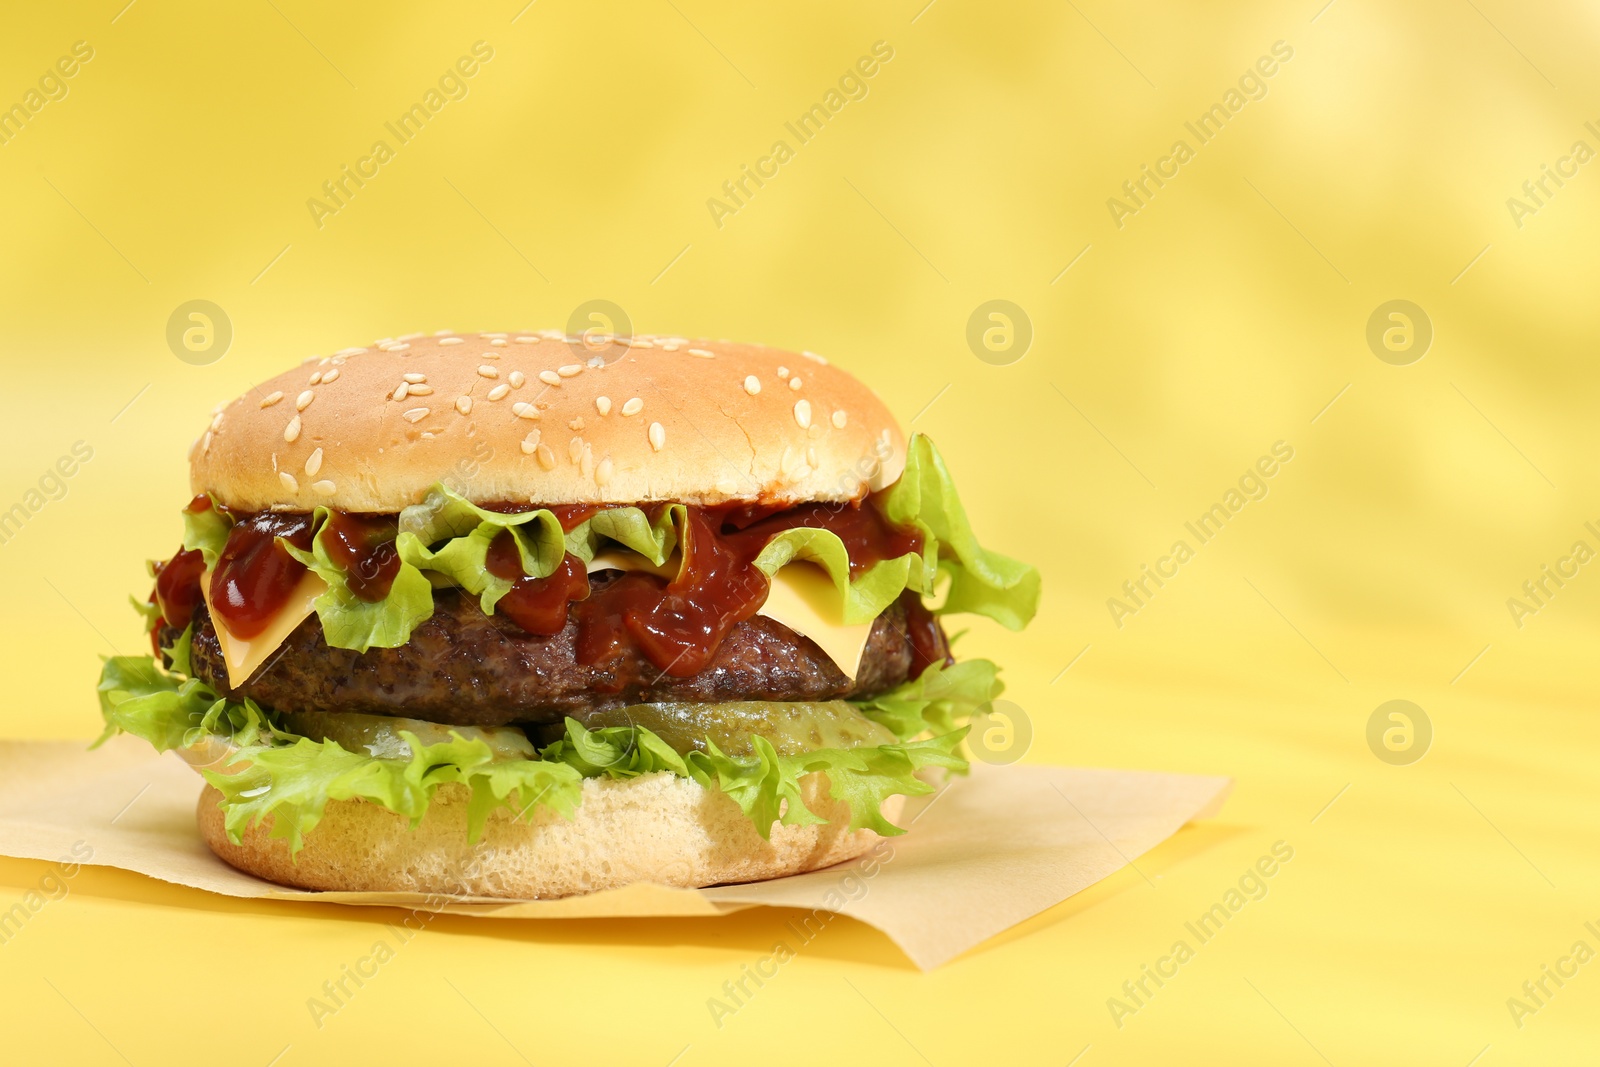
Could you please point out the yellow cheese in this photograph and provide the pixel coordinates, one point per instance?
(244, 658)
(805, 600)
(802, 597)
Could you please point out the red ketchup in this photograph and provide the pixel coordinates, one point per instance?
(364, 546)
(538, 605)
(254, 575)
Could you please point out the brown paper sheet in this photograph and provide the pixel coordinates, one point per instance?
(984, 854)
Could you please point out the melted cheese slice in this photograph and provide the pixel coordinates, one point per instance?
(244, 658)
(802, 597)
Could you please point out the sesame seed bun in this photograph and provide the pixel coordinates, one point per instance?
(538, 418)
(655, 828)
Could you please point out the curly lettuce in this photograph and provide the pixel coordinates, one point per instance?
(936, 700)
(981, 582)
(766, 785)
(288, 778)
(348, 621)
(207, 531)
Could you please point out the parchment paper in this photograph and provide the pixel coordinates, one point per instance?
(983, 854)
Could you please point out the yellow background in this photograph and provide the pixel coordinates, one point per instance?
(1223, 317)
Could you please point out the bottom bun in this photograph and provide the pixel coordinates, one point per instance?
(655, 828)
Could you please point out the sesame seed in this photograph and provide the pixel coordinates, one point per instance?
(576, 424)
(316, 377)
(575, 449)
(783, 372)
(416, 414)
(813, 357)
(414, 378)
(205, 443)
(602, 472)
(491, 355)
(811, 456)
(839, 419)
(516, 378)
(794, 383)
(602, 404)
(401, 391)
(451, 340)
(396, 348)
(288, 481)
(330, 376)
(304, 400)
(487, 371)
(313, 463)
(549, 377)
(325, 488)
(291, 432)
(570, 369)
(701, 352)
(419, 390)
(464, 404)
(530, 443)
(271, 399)
(726, 486)
(752, 385)
(632, 407)
(802, 413)
(524, 410)
(526, 340)
(658, 436)
(216, 421)
(669, 347)
(499, 391)
(547, 458)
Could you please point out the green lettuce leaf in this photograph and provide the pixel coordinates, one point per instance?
(937, 700)
(178, 654)
(169, 712)
(206, 530)
(766, 786)
(981, 582)
(291, 779)
(466, 531)
(351, 622)
(150, 611)
(294, 784)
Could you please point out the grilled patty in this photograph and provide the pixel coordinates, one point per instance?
(465, 668)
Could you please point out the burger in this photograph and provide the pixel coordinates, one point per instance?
(528, 615)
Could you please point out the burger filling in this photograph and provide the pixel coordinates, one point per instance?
(518, 649)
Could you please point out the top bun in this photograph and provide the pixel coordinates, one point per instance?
(545, 419)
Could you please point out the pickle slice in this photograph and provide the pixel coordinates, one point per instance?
(792, 727)
(379, 735)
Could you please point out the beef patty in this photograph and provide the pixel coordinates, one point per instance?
(465, 668)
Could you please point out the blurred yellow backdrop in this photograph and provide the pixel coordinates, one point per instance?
(1211, 313)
